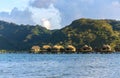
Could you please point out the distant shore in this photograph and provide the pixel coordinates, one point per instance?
(28, 52)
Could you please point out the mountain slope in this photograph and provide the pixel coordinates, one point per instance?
(23, 36)
(91, 32)
(80, 32)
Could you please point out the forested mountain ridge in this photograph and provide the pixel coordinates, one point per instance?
(22, 36)
(93, 32)
(83, 31)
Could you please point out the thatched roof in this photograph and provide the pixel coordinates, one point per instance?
(58, 47)
(87, 47)
(35, 47)
(46, 46)
(71, 47)
(107, 46)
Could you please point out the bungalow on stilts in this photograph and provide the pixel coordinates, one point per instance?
(35, 49)
(86, 49)
(70, 49)
(58, 49)
(46, 49)
(106, 49)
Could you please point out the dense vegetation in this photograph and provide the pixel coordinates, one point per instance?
(80, 32)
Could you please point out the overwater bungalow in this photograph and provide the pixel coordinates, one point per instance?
(46, 48)
(70, 49)
(86, 49)
(106, 49)
(35, 49)
(58, 49)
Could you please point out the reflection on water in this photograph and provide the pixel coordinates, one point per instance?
(59, 66)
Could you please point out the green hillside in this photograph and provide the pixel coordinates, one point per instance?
(92, 32)
(80, 32)
(23, 37)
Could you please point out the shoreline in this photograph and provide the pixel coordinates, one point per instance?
(27, 52)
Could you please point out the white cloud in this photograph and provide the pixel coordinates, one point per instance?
(51, 13)
(57, 12)
(17, 16)
(46, 23)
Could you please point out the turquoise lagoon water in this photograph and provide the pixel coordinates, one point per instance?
(59, 65)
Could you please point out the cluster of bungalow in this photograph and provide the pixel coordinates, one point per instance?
(69, 49)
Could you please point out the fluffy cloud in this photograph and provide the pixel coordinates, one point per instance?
(33, 15)
(67, 10)
(17, 16)
(58, 13)
(51, 14)
(45, 9)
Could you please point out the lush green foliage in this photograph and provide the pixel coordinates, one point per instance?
(80, 32)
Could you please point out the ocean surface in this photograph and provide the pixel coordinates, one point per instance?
(59, 65)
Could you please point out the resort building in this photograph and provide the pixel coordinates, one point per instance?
(70, 48)
(106, 48)
(58, 48)
(86, 48)
(35, 49)
(46, 48)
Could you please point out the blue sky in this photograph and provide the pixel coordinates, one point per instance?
(55, 14)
